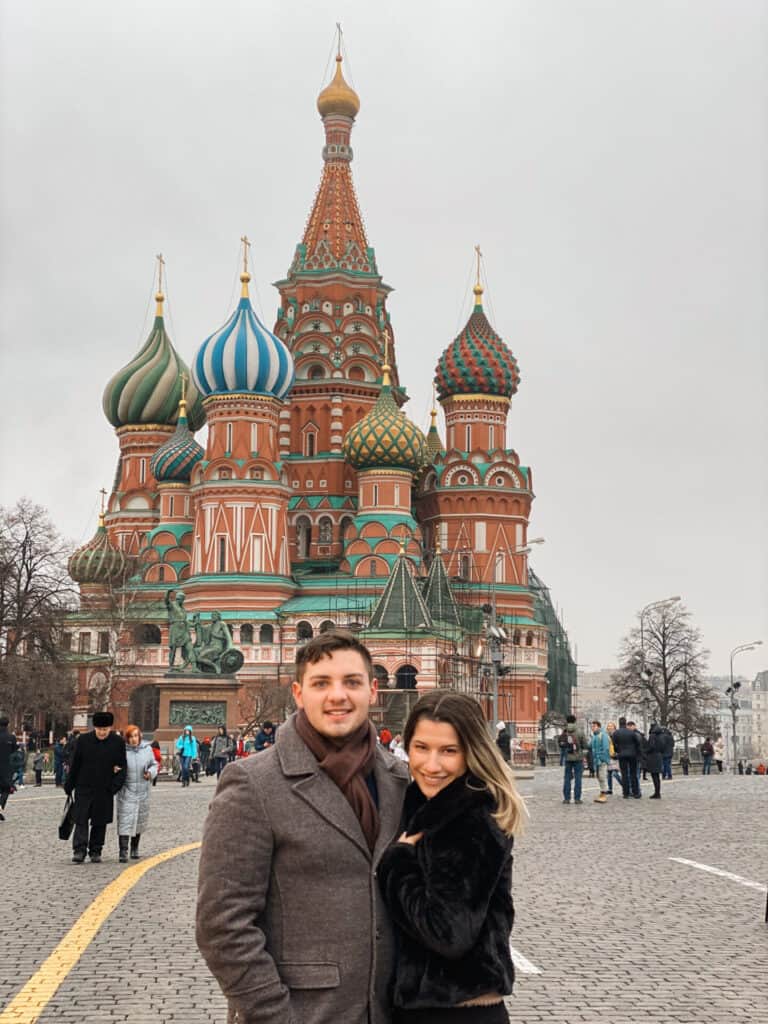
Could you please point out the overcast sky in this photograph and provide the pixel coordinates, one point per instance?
(609, 157)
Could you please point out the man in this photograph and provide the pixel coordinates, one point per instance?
(265, 738)
(289, 917)
(707, 753)
(541, 751)
(626, 743)
(58, 760)
(575, 752)
(503, 741)
(97, 772)
(8, 746)
(667, 753)
(601, 758)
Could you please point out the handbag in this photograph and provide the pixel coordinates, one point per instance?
(67, 822)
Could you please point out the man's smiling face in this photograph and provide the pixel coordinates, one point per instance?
(336, 694)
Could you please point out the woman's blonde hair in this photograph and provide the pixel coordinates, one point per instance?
(484, 759)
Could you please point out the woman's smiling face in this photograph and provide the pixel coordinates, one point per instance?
(435, 756)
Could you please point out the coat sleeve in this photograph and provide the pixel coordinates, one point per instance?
(74, 771)
(118, 779)
(231, 897)
(438, 892)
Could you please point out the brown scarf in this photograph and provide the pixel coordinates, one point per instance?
(348, 767)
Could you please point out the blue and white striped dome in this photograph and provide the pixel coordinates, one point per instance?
(243, 356)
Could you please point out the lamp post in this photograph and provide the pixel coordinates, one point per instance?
(732, 694)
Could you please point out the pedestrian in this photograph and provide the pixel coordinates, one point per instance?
(289, 917)
(397, 747)
(133, 798)
(385, 737)
(667, 754)
(541, 751)
(740, 767)
(748, 769)
(613, 764)
(39, 763)
(719, 754)
(233, 745)
(97, 773)
(626, 743)
(504, 741)
(8, 746)
(58, 761)
(186, 748)
(685, 762)
(265, 737)
(575, 752)
(654, 757)
(18, 763)
(158, 756)
(220, 749)
(205, 754)
(707, 753)
(447, 880)
(600, 748)
(641, 766)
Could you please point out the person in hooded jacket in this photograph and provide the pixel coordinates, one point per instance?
(186, 748)
(575, 752)
(667, 754)
(447, 880)
(133, 798)
(626, 743)
(654, 754)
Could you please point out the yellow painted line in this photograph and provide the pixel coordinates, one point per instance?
(29, 1003)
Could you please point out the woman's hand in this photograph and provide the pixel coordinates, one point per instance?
(411, 840)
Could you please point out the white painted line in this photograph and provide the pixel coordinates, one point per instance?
(522, 964)
(723, 874)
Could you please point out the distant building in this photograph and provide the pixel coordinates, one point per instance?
(759, 692)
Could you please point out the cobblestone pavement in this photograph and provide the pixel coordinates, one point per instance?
(619, 932)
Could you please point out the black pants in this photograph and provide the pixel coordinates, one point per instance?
(628, 769)
(38, 777)
(81, 842)
(656, 783)
(495, 1014)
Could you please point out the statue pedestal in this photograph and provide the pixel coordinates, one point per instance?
(201, 700)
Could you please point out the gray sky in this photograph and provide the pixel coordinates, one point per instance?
(610, 158)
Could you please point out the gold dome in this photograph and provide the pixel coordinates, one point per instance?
(338, 97)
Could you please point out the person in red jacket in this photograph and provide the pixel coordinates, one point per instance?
(158, 756)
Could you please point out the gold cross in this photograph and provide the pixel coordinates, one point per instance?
(246, 247)
(183, 385)
(386, 346)
(160, 265)
(338, 30)
(479, 254)
(103, 494)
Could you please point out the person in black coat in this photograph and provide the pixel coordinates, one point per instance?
(654, 754)
(8, 747)
(667, 753)
(97, 772)
(447, 880)
(626, 743)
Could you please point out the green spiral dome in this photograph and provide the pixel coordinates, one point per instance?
(385, 438)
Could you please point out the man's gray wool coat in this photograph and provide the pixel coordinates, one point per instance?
(289, 916)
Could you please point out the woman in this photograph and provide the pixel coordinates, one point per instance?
(719, 753)
(186, 748)
(220, 749)
(613, 764)
(653, 757)
(447, 880)
(133, 798)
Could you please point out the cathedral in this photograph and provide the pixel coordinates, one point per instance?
(316, 501)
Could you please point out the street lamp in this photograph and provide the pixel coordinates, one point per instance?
(732, 694)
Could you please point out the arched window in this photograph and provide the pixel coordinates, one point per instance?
(303, 631)
(465, 566)
(326, 625)
(325, 530)
(246, 634)
(529, 638)
(356, 373)
(266, 634)
(147, 633)
(303, 536)
(381, 675)
(345, 524)
(516, 638)
(310, 440)
(405, 678)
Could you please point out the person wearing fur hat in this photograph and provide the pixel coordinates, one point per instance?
(504, 741)
(96, 774)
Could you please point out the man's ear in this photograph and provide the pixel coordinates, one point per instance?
(296, 691)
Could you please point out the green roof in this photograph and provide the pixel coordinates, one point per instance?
(319, 604)
(401, 607)
(438, 595)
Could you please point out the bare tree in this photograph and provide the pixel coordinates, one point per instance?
(662, 670)
(260, 702)
(35, 595)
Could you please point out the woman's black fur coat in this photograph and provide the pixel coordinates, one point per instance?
(450, 898)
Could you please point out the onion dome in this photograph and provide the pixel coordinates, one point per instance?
(434, 445)
(385, 438)
(338, 97)
(97, 561)
(175, 459)
(477, 362)
(243, 356)
(148, 389)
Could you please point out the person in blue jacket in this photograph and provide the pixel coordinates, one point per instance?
(187, 749)
(601, 757)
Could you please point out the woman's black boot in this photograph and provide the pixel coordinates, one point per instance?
(123, 841)
(135, 847)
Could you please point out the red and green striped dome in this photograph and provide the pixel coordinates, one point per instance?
(97, 561)
(477, 362)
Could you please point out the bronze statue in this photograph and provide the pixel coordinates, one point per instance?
(179, 636)
(214, 649)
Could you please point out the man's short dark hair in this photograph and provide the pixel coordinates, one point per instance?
(622, 722)
(595, 722)
(630, 724)
(324, 644)
(4, 722)
(570, 718)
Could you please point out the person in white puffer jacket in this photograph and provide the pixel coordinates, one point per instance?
(133, 798)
